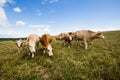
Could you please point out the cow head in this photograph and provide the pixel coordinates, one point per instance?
(49, 48)
(70, 38)
(72, 35)
(19, 44)
(100, 35)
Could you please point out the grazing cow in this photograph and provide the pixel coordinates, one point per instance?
(46, 43)
(19, 45)
(32, 42)
(66, 37)
(87, 36)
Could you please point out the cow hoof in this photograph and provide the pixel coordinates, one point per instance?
(32, 57)
(85, 48)
(51, 56)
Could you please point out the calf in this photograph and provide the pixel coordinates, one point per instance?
(87, 36)
(46, 43)
(32, 42)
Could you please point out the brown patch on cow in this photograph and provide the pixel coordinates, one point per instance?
(45, 40)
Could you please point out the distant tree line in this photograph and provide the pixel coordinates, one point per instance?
(13, 39)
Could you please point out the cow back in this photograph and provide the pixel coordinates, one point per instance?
(45, 40)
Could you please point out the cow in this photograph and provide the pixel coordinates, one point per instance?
(66, 37)
(32, 42)
(46, 40)
(87, 36)
(19, 45)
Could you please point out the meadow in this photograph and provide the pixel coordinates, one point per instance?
(100, 62)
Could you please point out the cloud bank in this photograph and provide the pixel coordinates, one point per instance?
(3, 17)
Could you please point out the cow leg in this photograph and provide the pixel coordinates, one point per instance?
(86, 44)
(64, 43)
(44, 51)
(32, 55)
(18, 50)
(69, 44)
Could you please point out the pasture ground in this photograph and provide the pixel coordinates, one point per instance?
(100, 62)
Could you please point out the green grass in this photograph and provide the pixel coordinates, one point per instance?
(100, 62)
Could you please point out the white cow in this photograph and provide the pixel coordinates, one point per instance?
(87, 36)
(32, 42)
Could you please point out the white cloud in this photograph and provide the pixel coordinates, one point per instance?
(101, 27)
(3, 17)
(20, 23)
(48, 1)
(43, 3)
(112, 28)
(2, 2)
(13, 34)
(39, 27)
(17, 9)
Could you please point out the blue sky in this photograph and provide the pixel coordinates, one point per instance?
(20, 18)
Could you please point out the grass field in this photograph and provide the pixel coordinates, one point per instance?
(100, 62)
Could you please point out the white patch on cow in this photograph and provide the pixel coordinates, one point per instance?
(32, 47)
(70, 38)
(50, 50)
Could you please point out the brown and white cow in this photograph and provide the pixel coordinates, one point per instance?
(32, 42)
(66, 37)
(46, 40)
(87, 36)
(19, 44)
